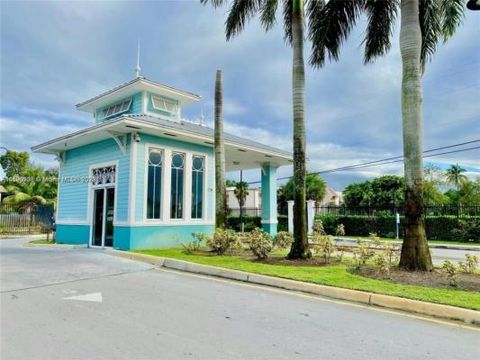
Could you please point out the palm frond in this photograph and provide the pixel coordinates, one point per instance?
(329, 25)
(17, 199)
(429, 14)
(287, 20)
(240, 12)
(268, 11)
(452, 13)
(215, 3)
(381, 18)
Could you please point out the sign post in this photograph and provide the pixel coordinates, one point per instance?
(397, 222)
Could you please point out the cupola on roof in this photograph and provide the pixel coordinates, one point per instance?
(136, 85)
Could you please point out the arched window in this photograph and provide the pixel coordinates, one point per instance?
(154, 190)
(198, 169)
(177, 185)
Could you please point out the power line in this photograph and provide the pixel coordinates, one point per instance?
(391, 160)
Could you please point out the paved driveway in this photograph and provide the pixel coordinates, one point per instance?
(85, 304)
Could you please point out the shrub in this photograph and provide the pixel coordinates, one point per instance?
(470, 264)
(191, 247)
(362, 253)
(222, 240)
(392, 252)
(318, 227)
(451, 272)
(382, 265)
(340, 231)
(283, 240)
(325, 246)
(260, 243)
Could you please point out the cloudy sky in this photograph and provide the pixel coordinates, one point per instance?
(57, 54)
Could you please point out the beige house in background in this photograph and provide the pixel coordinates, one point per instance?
(332, 198)
(253, 202)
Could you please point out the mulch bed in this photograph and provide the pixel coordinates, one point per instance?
(434, 279)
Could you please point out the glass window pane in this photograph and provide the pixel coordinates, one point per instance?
(154, 184)
(197, 187)
(177, 184)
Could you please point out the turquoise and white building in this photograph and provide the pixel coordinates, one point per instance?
(141, 177)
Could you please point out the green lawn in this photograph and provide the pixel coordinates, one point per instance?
(440, 242)
(336, 275)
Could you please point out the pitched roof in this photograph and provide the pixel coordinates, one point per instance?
(139, 80)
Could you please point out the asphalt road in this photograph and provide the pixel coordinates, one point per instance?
(59, 303)
(439, 255)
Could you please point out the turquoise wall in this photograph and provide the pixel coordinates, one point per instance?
(150, 107)
(72, 234)
(141, 164)
(136, 107)
(73, 187)
(155, 237)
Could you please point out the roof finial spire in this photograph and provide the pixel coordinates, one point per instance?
(138, 68)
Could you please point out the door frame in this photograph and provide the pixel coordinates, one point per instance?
(91, 193)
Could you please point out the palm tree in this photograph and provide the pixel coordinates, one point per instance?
(26, 195)
(241, 193)
(293, 18)
(455, 175)
(220, 195)
(423, 25)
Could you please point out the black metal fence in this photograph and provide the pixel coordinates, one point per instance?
(25, 220)
(377, 211)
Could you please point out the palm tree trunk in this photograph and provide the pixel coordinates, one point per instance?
(415, 252)
(220, 190)
(299, 249)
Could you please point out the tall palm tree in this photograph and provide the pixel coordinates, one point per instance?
(455, 176)
(294, 23)
(220, 189)
(423, 24)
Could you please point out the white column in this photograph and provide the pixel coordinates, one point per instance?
(310, 215)
(290, 215)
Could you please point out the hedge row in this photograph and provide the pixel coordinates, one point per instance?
(448, 228)
(251, 222)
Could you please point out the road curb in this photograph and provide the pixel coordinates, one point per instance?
(54, 245)
(447, 312)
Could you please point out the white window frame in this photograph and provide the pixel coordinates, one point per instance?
(204, 190)
(91, 190)
(184, 196)
(166, 188)
(147, 162)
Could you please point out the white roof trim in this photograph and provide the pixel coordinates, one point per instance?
(55, 146)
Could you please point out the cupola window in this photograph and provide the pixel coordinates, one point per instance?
(117, 108)
(164, 105)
